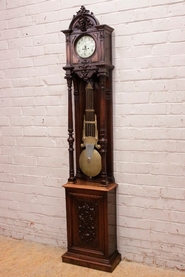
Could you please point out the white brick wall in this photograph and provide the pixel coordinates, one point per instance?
(149, 120)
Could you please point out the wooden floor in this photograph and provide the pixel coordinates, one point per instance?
(27, 259)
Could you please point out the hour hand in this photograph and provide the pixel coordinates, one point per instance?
(85, 48)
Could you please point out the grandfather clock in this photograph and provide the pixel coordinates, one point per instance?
(91, 188)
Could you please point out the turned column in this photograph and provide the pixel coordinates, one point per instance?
(103, 126)
(71, 178)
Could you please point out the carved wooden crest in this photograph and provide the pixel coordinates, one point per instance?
(83, 20)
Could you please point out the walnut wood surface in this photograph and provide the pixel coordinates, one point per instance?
(98, 70)
(90, 202)
(91, 226)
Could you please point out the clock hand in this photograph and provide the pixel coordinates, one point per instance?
(85, 48)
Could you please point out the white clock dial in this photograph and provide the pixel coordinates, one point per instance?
(85, 46)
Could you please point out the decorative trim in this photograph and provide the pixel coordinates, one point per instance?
(83, 20)
(87, 215)
(85, 71)
(82, 10)
(83, 23)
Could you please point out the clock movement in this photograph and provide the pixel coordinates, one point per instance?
(91, 188)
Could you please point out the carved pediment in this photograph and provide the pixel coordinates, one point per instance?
(83, 20)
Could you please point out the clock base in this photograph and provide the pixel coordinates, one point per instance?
(91, 225)
(107, 265)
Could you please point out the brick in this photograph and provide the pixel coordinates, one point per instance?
(21, 121)
(9, 34)
(176, 228)
(139, 97)
(158, 2)
(52, 80)
(8, 141)
(20, 159)
(56, 131)
(6, 177)
(130, 120)
(153, 12)
(32, 141)
(164, 73)
(7, 102)
(32, 31)
(4, 121)
(38, 71)
(31, 51)
(49, 6)
(24, 62)
(3, 45)
(46, 39)
(136, 74)
(167, 169)
(177, 9)
(4, 64)
(177, 35)
(136, 233)
(13, 92)
(16, 73)
(45, 121)
(158, 97)
(43, 18)
(150, 38)
(6, 159)
(170, 121)
(34, 111)
(19, 83)
(6, 83)
(20, 42)
(130, 5)
(55, 28)
(45, 60)
(176, 216)
(35, 131)
(11, 5)
(11, 131)
(47, 101)
(19, 22)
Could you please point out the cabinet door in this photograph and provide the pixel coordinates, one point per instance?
(86, 223)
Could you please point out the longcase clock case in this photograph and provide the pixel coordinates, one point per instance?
(91, 188)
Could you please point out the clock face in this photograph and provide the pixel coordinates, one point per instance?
(85, 46)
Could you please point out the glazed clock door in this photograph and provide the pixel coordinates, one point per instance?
(85, 46)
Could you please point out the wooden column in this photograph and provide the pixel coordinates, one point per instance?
(71, 178)
(103, 126)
